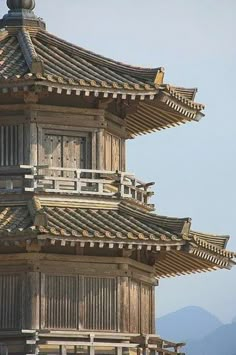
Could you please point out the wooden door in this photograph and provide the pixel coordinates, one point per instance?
(53, 153)
(73, 153)
(64, 151)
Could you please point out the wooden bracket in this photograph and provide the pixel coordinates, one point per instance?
(33, 247)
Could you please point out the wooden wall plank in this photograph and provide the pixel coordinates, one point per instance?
(11, 145)
(10, 301)
(61, 302)
(100, 303)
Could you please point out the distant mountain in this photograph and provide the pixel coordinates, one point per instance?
(220, 342)
(187, 324)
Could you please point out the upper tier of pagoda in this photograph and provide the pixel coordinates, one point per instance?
(64, 119)
(33, 59)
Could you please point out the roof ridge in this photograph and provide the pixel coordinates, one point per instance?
(32, 59)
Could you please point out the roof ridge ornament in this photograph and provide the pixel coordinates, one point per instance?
(21, 14)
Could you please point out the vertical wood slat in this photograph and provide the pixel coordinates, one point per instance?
(60, 310)
(72, 302)
(11, 145)
(100, 303)
(10, 301)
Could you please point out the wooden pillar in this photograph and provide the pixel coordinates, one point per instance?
(153, 311)
(94, 151)
(118, 351)
(63, 350)
(124, 320)
(32, 349)
(125, 351)
(123, 155)
(100, 149)
(33, 144)
(32, 301)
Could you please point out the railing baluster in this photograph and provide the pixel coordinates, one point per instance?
(79, 187)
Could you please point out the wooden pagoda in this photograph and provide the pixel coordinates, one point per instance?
(81, 248)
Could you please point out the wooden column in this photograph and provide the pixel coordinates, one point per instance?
(123, 155)
(33, 144)
(153, 308)
(63, 350)
(94, 151)
(125, 351)
(100, 149)
(118, 351)
(124, 301)
(32, 300)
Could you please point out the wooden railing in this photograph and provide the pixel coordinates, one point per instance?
(86, 343)
(74, 181)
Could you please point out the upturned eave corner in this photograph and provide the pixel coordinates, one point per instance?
(82, 248)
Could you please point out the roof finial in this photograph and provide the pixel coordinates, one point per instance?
(21, 4)
(21, 14)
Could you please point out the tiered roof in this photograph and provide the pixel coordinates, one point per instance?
(31, 57)
(113, 224)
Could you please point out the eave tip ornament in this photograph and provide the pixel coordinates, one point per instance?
(21, 14)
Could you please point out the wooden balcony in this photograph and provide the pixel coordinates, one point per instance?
(84, 182)
(85, 343)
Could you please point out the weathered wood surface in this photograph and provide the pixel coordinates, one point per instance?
(51, 296)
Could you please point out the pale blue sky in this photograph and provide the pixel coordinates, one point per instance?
(194, 166)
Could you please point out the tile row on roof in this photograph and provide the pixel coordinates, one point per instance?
(122, 225)
(37, 58)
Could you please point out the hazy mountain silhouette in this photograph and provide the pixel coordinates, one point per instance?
(220, 342)
(187, 324)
